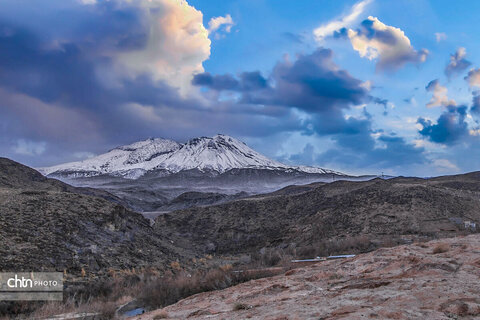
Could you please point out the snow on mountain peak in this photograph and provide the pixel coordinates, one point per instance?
(219, 153)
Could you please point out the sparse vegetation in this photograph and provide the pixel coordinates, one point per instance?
(152, 289)
(161, 315)
(240, 306)
(176, 265)
(161, 292)
(441, 248)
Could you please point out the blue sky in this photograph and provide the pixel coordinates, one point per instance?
(358, 86)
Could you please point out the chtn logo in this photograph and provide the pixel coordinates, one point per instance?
(19, 283)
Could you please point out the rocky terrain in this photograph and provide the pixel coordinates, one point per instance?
(48, 225)
(433, 280)
(400, 208)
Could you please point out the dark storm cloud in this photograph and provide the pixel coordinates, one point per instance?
(450, 126)
(313, 83)
(457, 63)
(380, 101)
(217, 82)
(475, 109)
(67, 76)
(253, 81)
(341, 33)
(247, 81)
(60, 88)
(360, 151)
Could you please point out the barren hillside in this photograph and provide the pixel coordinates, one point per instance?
(433, 280)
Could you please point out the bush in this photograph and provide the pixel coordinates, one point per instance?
(161, 292)
(441, 248)
(161, 315)
(240, 306)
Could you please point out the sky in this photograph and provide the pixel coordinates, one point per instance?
(361, 87)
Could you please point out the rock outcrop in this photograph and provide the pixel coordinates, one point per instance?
(433, 280)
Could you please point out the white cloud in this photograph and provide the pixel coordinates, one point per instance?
(83, 155)
(29, 148)
(177, 45)
(440, 36)
(390, 45)
(444, 165)
(440, 95)
(216, 23)
(473, 78)
(329, 28)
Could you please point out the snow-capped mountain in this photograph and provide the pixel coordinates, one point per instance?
(218, 154)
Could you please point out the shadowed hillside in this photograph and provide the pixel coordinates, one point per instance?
(305, 215)
(48, 225)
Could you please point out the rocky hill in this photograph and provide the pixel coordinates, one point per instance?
(434, 280)
(401, 208)
(48, 225)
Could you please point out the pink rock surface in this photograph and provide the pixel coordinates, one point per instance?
(405, 282)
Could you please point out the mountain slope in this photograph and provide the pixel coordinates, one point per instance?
(130, 161)
(399, 208)
(46, 224)
(218, 154)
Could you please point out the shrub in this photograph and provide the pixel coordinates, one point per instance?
(161, 315)
(240, 306)
(441, 248)
(175, 265)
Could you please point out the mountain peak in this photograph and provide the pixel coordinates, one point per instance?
(145, 144)
(219, 153)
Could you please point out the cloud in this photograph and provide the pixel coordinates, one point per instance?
(440, 36)
(347, 20)
(389, 45)
(457, 63)
(215, 24)
(445, 165)
(322, 92)
(475, 109)
(440, 95)
(473, 78)
(450, 127)
(362, 150)
(177, 43)
(312, 83)
(248, 81)
(306, 157)
(380, 101)
(74, 87)
(29, 148)
(99, 81)
(315, 86)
